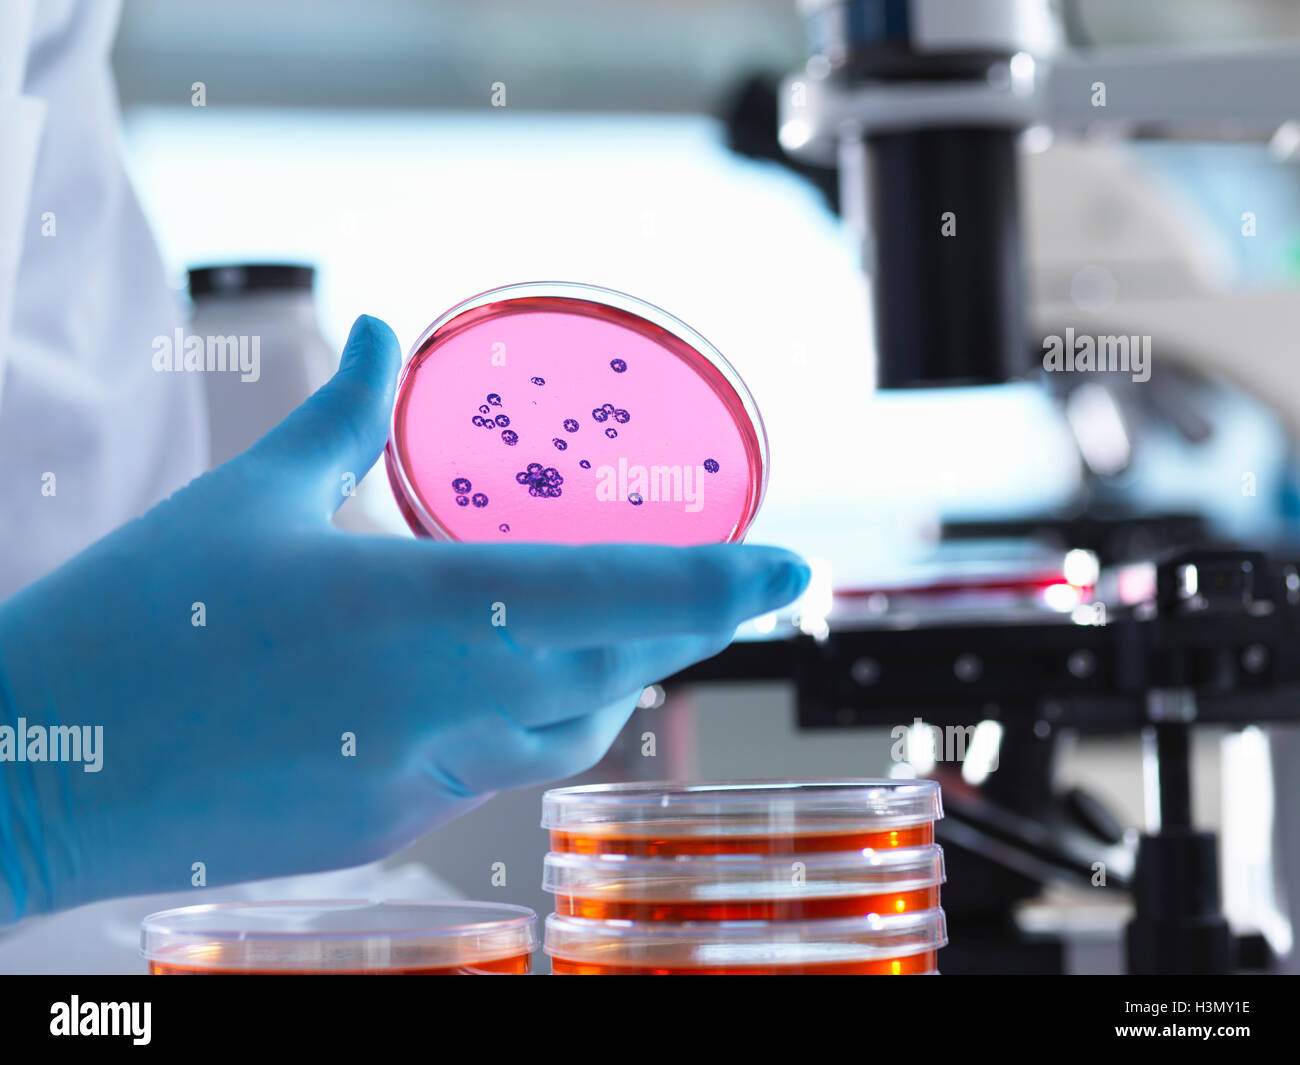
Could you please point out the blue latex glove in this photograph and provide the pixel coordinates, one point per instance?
(223, 743)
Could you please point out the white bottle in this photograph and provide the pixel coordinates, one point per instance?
(265, 312)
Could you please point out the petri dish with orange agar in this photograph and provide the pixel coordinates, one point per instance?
(341, 936)
(566, 413)
(741, 817)
(743, 887)
(900, 945)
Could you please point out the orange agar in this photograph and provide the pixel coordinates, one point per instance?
(912, 965)
(519, 966)
(751, 910)
(644, 846)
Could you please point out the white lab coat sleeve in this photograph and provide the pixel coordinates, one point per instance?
(21, 118)
(91, 435)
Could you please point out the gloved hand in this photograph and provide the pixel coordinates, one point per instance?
(223, 742)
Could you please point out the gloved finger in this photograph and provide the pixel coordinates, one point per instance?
(505, 755)
(547, 595)
(319, 453)
(567, 684)
(575, 746)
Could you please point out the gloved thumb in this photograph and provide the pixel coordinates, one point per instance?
(321, 450)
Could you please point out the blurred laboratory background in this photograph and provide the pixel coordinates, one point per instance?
(416, 152)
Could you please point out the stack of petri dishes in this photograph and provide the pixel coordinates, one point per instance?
(341, 936)
(745, 877)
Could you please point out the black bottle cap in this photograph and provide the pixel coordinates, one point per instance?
(240, 279)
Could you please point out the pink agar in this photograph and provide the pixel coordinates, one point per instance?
(668, 446)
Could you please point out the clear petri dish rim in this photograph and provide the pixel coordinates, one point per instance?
(774, 806)
(703, 943)
(411, 502)
(354, 934)
(689, 877)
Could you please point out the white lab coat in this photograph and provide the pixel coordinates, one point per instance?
(90, 435)
(82, 296)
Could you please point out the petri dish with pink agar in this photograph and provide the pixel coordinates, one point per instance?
(741, 817)
(341, 937)
(901, 945)
(565, 413)
(744, 887)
